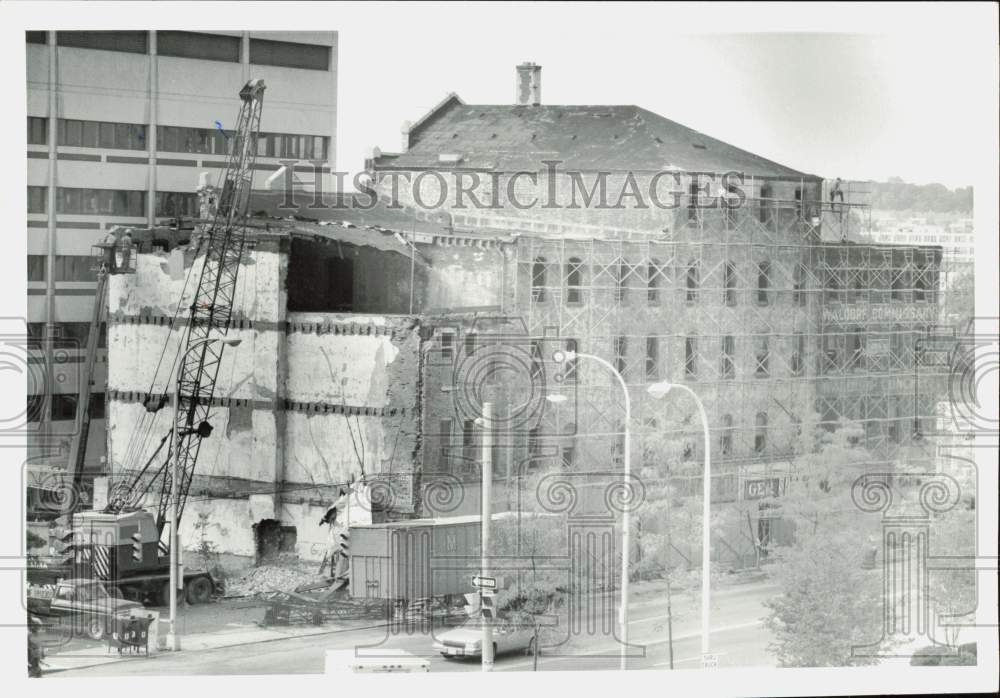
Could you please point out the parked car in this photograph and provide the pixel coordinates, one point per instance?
(84, 602)
(467, 639)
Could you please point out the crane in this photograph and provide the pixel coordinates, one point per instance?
(123, 543)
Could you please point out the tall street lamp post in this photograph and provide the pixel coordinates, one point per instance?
(659, 391)
(173, 639)
(568, 356)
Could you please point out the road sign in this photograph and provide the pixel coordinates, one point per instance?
(484, 582)
(709, 661)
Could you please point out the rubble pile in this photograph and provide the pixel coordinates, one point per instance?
(282, 577)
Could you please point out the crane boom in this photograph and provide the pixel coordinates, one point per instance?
(210, 314)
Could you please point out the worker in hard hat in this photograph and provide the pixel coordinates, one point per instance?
(109, 245)
(126, 247)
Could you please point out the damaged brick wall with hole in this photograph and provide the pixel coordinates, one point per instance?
(307, 402)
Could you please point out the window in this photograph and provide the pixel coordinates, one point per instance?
(35, 405)
(35, 37)
(692, 282)
(727, 368)
(730, 284)
(570, 372)
(653, 281)
(762, 357)
(798, 203)
(36, 332)
(618, 447)
(36, 267)
(760, 433)
(729, 204)
(536, 358)
(798, 353)
(831, 352)
(38, 127)
(289, 55)
(652, 358)
(693, 201)
(101, 202)
(468, 439)
(834, 286)
(620, 281)
(726, 437)
(856, 349)
(175, 204)
(763, 282)
(900, 281)
(534, 445)
(97, 406)
(690, 358)
(799, 285)
(470, 343)
(74, 268)
(38, 199)
(127, 41)
(574, 274)
(621, 348)
(63, 407)
(538, 273)
(764, 204)
(920, 284)
(448, 346)
(212, 47)
(859, 286)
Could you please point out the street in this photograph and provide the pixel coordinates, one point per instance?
(738, 638)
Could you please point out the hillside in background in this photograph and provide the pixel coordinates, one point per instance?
(897, 195)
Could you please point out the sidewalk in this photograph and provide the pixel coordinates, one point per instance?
(198, 642)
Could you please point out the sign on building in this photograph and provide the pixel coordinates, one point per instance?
(759, 489)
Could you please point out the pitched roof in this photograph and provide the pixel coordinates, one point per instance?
(587, 138)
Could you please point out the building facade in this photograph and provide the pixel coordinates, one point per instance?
(120, 126)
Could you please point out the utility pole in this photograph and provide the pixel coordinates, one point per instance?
(487, 492)
(670, 543)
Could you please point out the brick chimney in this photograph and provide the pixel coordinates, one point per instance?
(529, 84)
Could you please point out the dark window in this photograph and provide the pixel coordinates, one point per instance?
(799, 285)
(130, 42)
(653, 281)
(763, 282)
(36, 267)
(74, 268)
(212, 47)
(468, 439)
(729, 204)
(726, 437)
(470, 343)
(834, 286)
(762, 357)
(920, 284)
(652, 358)
(760, 433)
(690, 358)
(447, 346)
(174, 204)
(730, 283)
(534, 445)
(900, 282)
(798, 202)
(832, 344)
(71, 335)
(36, 331)
(692, 282)
(574, 279)
(798, 353)
(621, 348)
(728, 366)
(35, 37)
(38, 127)
(289, 55)
(856, 349)
(538, 273)
(620, 283)
(570, 372)
(63, 407)
(35, 405)
(445, 430)
(765, 204)
(693, 201)
(101, 201)
(38, 198)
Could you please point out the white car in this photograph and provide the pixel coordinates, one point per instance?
(467, 639)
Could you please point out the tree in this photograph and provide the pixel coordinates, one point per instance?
(952, 592)
(826, 605)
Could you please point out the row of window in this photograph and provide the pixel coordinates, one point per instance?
(199, 45)
(62, 407)
(112, 202)
(67, 268)
(922, 279)
(173, 139)
(67, 335)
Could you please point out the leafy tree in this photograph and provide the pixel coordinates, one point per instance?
(826, 605)
(952, 592)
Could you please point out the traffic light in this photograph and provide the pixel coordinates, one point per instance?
(137, 547)
(487, 606)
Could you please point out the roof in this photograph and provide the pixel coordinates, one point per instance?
(587, 138)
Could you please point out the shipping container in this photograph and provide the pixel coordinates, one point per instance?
(418, 558)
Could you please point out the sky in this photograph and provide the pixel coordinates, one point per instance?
(894, 101)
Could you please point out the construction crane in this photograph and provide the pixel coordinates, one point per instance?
(136, 564)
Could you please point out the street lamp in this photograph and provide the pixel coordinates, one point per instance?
(659, 391)
(173, 639)
(565, 356)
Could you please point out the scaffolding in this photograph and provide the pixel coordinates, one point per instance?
(770, 311)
